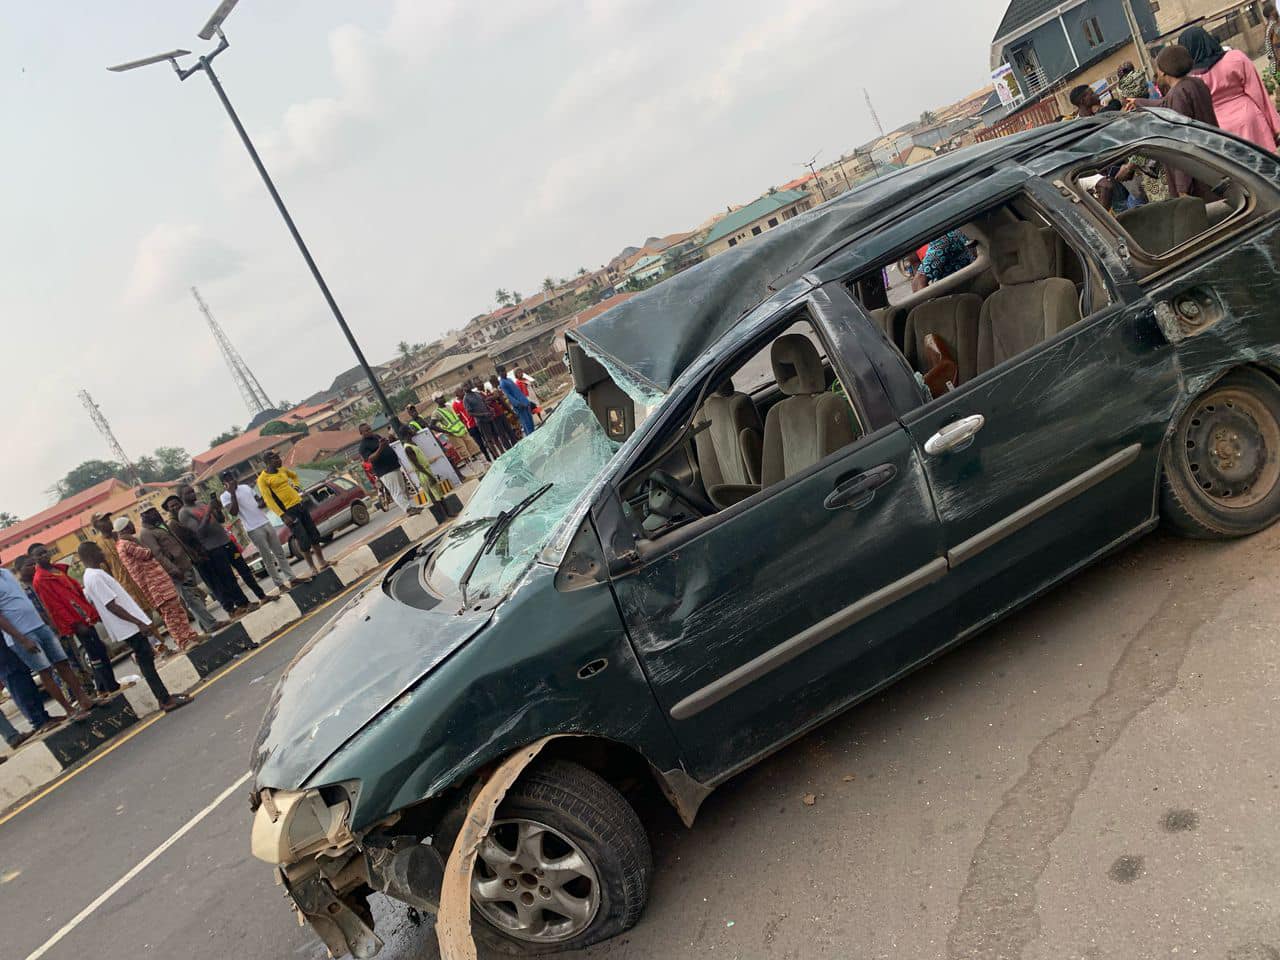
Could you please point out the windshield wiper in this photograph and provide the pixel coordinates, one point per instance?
(500, 524)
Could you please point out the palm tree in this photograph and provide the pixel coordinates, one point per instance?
(548, 284)
(502, 296)
(7, 519)
(404, 349)
(515, 297)
(928, 118)
(582, 271)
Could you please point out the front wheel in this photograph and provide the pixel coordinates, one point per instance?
(1221, 475)
(565, 865)
(359, 514)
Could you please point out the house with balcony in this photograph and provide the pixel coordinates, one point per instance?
(1047, 43)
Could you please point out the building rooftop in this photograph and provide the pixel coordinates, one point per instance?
(1020, 13)
(451, 362)
(754, 211)
(55, 514)
(238, 453)
(318, 445)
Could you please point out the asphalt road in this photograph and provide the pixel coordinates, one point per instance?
(1095, 778)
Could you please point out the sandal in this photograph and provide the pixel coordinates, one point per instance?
(176, 702)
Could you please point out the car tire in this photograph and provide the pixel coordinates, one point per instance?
(1221, 476)
(579, 810)
(359, 514)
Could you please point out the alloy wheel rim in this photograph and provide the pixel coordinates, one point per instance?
(534, 883)
(1230, 443)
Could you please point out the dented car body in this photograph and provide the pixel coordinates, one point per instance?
(692, 568)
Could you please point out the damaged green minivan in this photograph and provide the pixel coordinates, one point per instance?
(784, 479)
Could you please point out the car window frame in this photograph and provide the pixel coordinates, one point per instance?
(1058, 214)
(1145, 268)
(835, 326)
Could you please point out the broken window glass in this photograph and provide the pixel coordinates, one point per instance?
(569, 451)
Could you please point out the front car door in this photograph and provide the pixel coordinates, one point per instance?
(763, 619)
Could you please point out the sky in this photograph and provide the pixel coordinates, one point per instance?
(430, 151)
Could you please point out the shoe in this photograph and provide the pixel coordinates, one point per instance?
(271, 598)
(253, 605)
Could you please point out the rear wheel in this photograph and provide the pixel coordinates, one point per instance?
(359, 514)
(565, 865)
(1221, 474)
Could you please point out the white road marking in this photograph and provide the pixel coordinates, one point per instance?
(142, 865)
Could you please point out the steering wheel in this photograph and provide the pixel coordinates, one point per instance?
(683, 492)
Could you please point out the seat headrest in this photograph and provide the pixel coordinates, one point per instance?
(797, 366)
(1019, 254)
(725, 389)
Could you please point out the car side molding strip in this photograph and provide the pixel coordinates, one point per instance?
(1037, 508)
(807, 639)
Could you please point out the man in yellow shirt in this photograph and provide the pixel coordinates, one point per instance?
(279, 487)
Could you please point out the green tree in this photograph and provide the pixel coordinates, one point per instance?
(148, 469)
(229, 434)
(84, 476)
(928, 118)
(502, 296)
(515, 297)
(174, 462)
(582, 271)
(548, 284)
(8, 519)
(404, 349)
(276, 427)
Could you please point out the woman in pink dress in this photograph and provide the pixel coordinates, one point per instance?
(1239, 98)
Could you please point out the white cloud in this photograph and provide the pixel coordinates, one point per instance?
(173, 257)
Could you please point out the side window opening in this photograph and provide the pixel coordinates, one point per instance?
(1166, 203)
(770, 415)
(1015, 282)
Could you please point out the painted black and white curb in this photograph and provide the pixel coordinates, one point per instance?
(40, 762)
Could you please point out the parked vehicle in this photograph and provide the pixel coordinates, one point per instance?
(777, 488)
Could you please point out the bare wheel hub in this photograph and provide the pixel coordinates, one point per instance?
(1231, 443)
(534, 883)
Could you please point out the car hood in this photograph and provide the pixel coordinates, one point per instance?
(347, 674)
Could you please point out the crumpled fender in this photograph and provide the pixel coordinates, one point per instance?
(453, 923)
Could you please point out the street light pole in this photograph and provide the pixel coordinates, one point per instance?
(205, 64)
(1143, 54)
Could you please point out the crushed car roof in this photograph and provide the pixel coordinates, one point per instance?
(655, 336)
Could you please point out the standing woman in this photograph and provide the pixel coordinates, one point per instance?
(1239, 98)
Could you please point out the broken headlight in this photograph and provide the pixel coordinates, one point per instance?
(292, 824)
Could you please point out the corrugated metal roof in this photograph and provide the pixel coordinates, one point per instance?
(754, 211)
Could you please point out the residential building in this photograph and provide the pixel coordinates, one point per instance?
(243, 455)
(889, 147)
(447, 373)
(755, 218)
(915, 154)
(1235, 20)
(1046, 42)
(38, 524)
(323, 445)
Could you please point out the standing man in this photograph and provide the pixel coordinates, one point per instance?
(31, 640)
(280, 492)
(72, 615)
(150, 575)
(104, 524)
(386, 464)
(519, 402)
(15, 676)
(202, 521)
(529, 389)
(125, 622)
(241, 501)
(25, 568)
(177, 563)
(460, 409)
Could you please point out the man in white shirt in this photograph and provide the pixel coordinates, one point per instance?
(242, 501)
(125, 621)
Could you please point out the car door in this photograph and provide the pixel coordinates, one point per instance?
(1052, 457)
(322, 509)
(771, 615)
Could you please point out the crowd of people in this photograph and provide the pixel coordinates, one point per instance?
(1200, 79)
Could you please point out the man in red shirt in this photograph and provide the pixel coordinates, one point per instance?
(72, 615)
(470, 422)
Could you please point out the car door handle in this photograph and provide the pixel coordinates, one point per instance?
(954, 436)
(858, 491)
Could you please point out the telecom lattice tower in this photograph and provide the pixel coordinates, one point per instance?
(104, 428)
(255, 398)
(874, 116)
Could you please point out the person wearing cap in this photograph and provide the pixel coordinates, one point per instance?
(150, 575)
(104, 524)
(174, 556)
(281, 492)
(126, 622)
(241, 501)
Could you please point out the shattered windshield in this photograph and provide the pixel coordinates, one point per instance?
(568, 451)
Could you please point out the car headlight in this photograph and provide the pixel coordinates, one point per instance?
(292, 824)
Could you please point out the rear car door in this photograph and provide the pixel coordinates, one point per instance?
(761, 620)
(1052, 456)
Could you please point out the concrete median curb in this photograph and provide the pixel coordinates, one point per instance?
(36, 764)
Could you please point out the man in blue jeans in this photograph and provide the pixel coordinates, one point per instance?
(37, 646)
(15, 676)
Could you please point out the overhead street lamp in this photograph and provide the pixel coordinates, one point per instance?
(204, 63)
